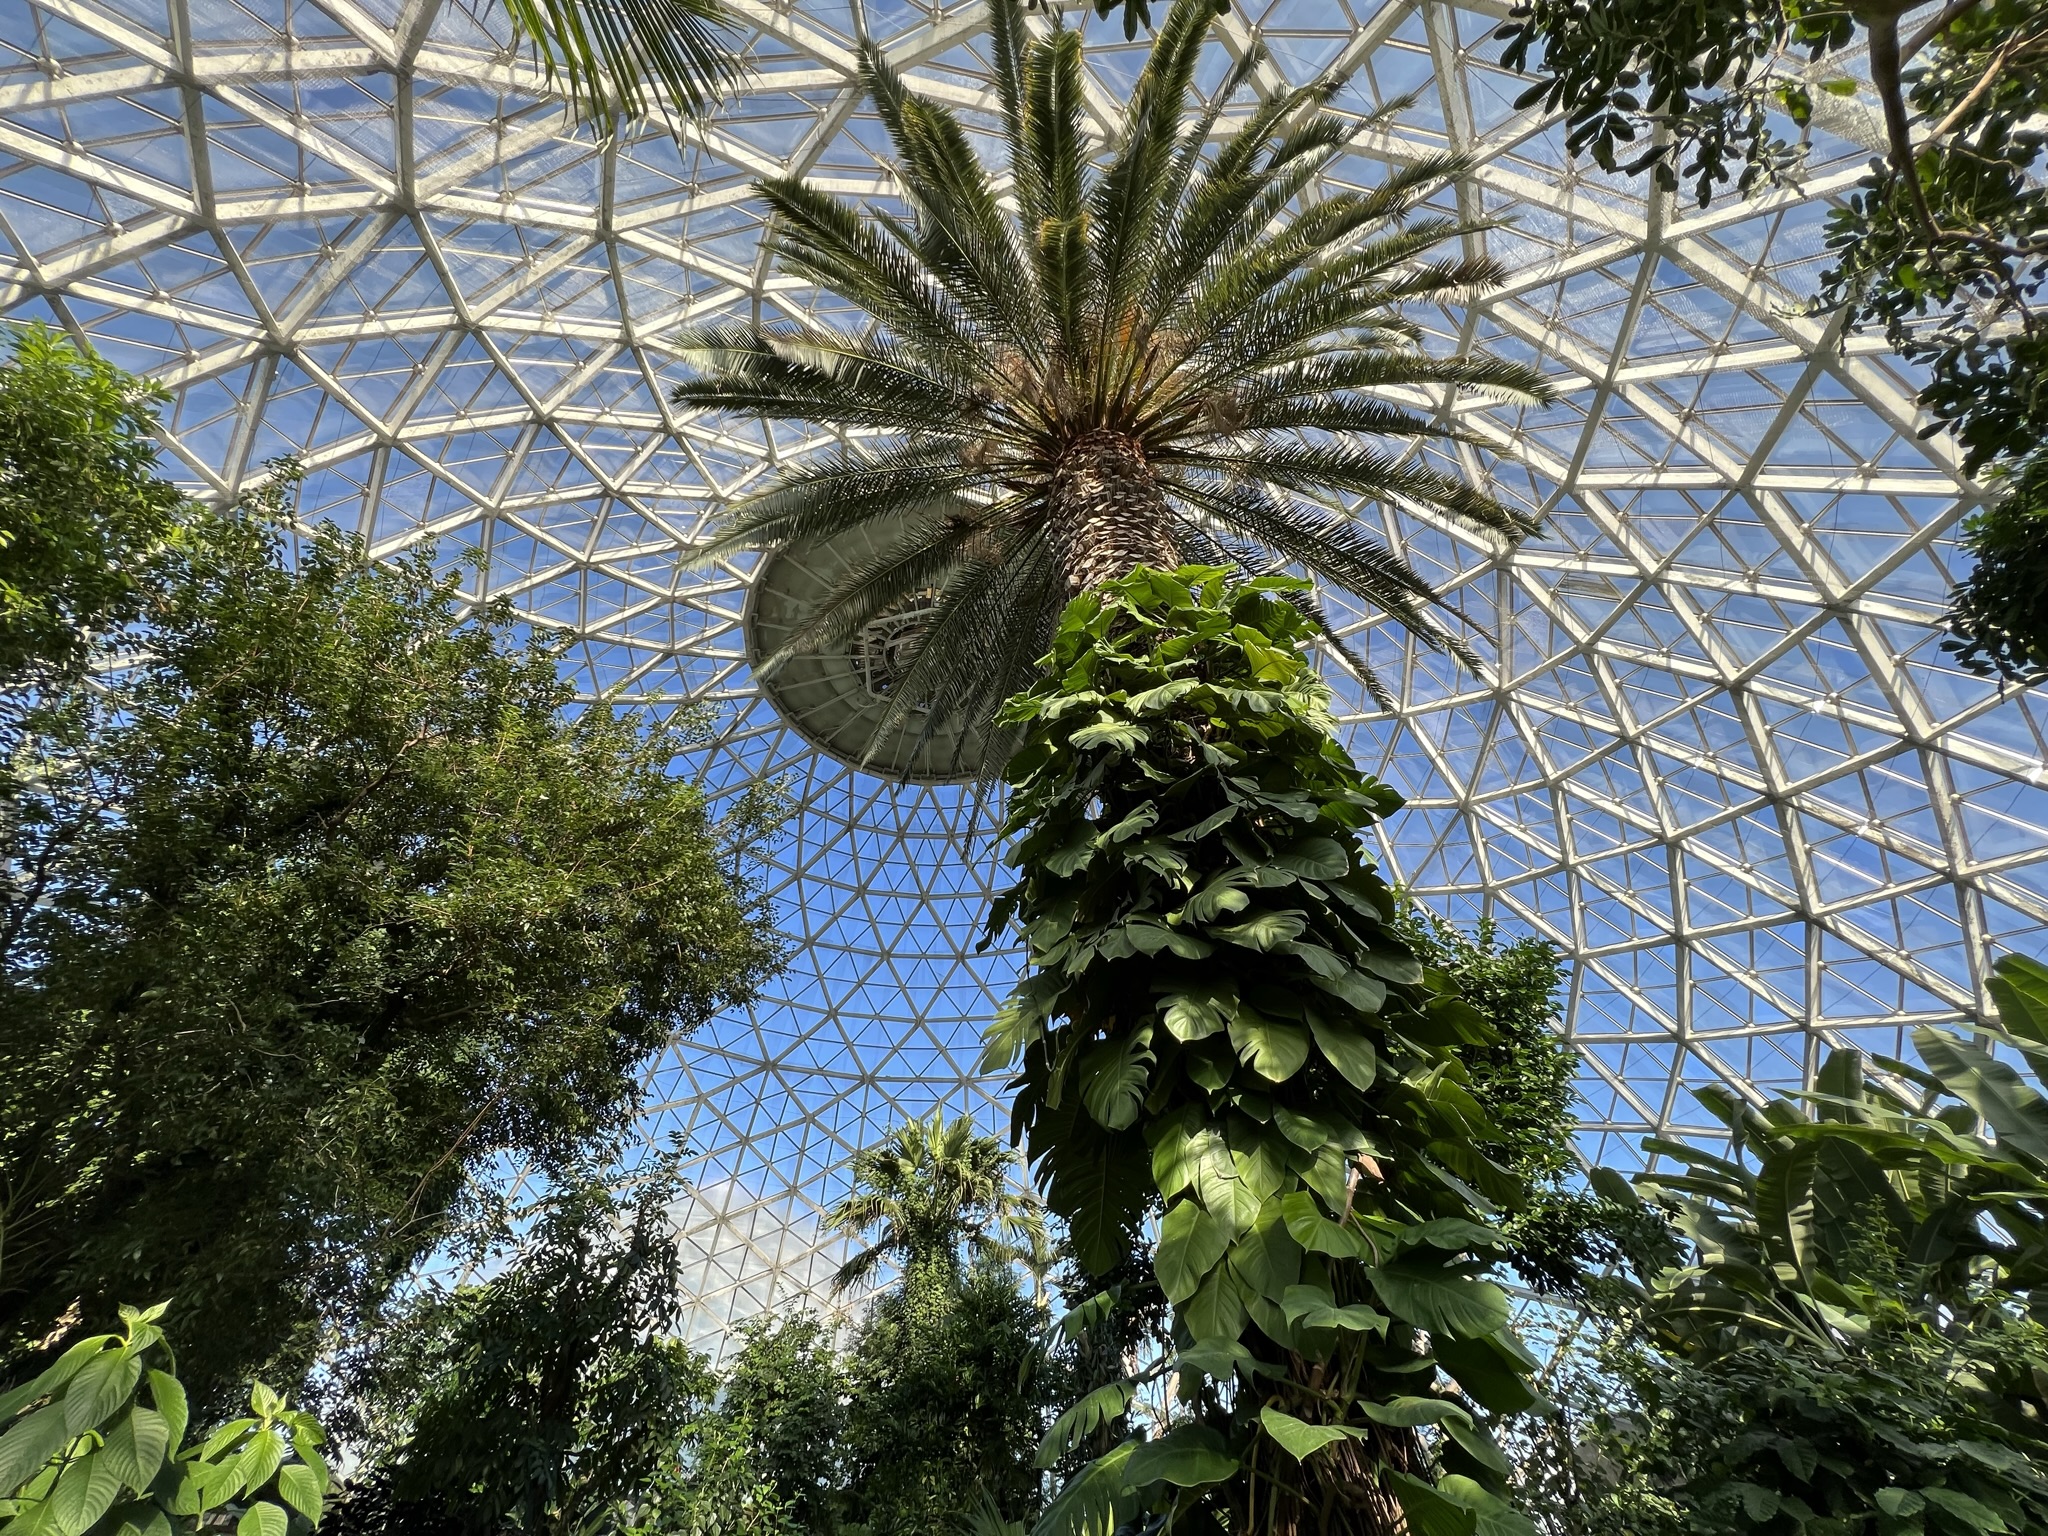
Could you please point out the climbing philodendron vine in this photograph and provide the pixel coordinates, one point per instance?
(1219, 1031)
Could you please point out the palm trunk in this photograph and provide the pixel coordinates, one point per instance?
(1108, 515)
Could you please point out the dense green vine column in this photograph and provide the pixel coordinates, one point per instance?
(1219, 1030)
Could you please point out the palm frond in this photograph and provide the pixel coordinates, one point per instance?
(1339, 466)
(630, 58)
(961, 232)
(828, 242)
(818, 375)
(1193, 292)
(842, 490)
(922, 556)
(1051, 178)
(962, 652)
(1126, 204)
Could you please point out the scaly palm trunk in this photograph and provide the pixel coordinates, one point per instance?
(1108, 515)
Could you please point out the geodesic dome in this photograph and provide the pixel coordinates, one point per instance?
(1718, 754)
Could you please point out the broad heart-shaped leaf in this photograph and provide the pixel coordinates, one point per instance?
(1190, 1016)
(263, 1518)
(1457, 1506)
(1265, 932)
(1297, 1439)
(1494, 1372)
(1109, 732)
(1347, 1050)
(1313, 858)
(1410, 1412)
(1189, 1456)
(1274, 1050)
(28, 1446)
(1317, 1233)
(1113, 1078)
(1191, 1243)
(1454, 1234)
(135, 1448)
(1445, 1303)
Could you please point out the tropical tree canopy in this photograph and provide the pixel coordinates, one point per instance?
(931, 1191)
(1086, 360)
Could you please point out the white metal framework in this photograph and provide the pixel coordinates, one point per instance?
(1721, 757)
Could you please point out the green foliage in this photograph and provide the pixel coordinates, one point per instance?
(783, 1399)
(321, 898)
(548, 1397)
(1071, 360)
(1944, 244)
(1701, 72)
(721, 1486)
(936, 1191)
(947, 1399)
(1889, 1439)
(1222, 1028)
(634, 58)
(81, 506)
(94, 1445)
(1523, 1078)
(1857, 1343)
(1878, 1199)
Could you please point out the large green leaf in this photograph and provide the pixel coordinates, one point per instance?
(1274, 1050)
(1347, 1050)
(1264, 932)
(1113, 1076)
(1191, 1243)
(136, 1447)
(1189, 1456)
(86, 1490)
(103, 1384)
(1296, 1438)
(29, 1444)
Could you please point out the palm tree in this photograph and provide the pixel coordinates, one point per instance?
(1080, 362)
(930, 1191)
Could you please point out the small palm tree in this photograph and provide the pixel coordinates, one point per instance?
(931, 1192)
(1080, 363)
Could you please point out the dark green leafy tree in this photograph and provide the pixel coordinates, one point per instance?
(1565, 1231)
(94, 1445)
(548, 1399)
(1945, 243)
(81, 505)
(1165, 350)
(948, 1397)
(321, 900)
(784, 1399)
(1857, 1340)
(1222, 1029)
